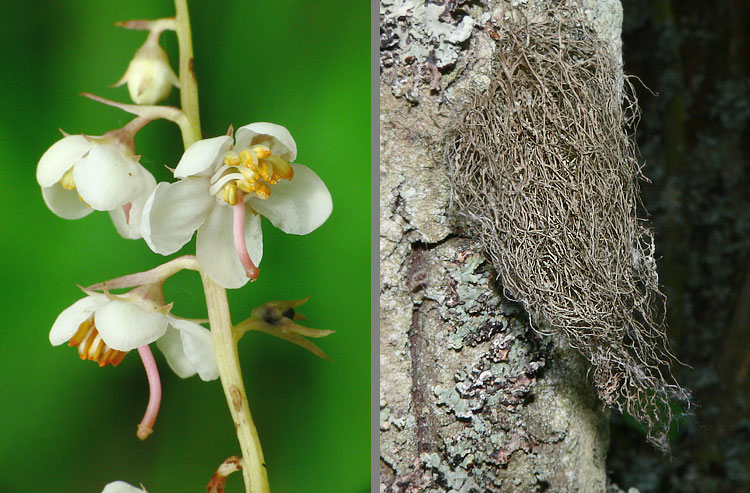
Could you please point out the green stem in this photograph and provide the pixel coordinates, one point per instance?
(188, 84)
(225, 346)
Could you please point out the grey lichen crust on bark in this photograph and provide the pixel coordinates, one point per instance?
(472, 398)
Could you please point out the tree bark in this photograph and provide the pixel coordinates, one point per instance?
(471, 398)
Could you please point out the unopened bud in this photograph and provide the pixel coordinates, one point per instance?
(149, 76)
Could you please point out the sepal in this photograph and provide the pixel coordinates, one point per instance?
(277, 318)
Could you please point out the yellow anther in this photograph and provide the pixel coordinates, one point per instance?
(67, 181)
(232, 159)
(262, 151)
(86, 345)
(248, 159)
(230, 193)
(249, 174)
(117, 359)
(263, 191)
(265, 170)
(81, 333)
(281, 168)
(247, 186)
(97, 351)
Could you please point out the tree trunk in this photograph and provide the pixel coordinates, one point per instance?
(472, 399)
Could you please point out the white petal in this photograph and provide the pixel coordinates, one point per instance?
(173, 212)
(125, 326)
(274, 136)
(106, 178)
(215, 247)
(170, 344)
(130, 226)
(121, 487)
(298, 206)
(60, 158)
(201, 157)
(68, 321)
(189, 348)
(65, 203)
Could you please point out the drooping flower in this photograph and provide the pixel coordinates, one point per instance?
(223, 190)
(80, 174)
(105, 327)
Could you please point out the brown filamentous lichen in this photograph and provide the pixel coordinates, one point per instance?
(547, 174)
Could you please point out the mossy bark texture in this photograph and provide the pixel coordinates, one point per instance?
(471, 398)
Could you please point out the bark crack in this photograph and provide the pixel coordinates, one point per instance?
(422, 368)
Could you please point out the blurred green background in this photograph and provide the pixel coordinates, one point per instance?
(67, 425)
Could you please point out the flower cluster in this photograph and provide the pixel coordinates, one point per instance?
(223, 186)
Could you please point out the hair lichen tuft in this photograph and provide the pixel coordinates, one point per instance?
(545, 170)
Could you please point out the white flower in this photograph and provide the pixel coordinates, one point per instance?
(121, 487)
(79, 174)
(105, 327)
(222, 192)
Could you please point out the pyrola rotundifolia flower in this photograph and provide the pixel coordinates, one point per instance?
(105, 327)
(121, 487)
(222, 192)
(80, 174)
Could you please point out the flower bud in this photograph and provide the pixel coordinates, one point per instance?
(149, 76)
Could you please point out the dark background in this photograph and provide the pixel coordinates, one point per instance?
(67, 425)
(694, 138)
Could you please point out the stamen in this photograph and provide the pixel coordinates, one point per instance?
(281, 168)
(246, 186)
(91, 346)
(249, 171)
(262, 151)
(263, 191)
(146, 426)
(81, 333)
(249, 174)
(240, 246)
(107, 357)
(97, 348)
(249, 159)
(86, 345)
(230, 193)
(265, 170)
(119, 356)
(67, 181)
(232, 159)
